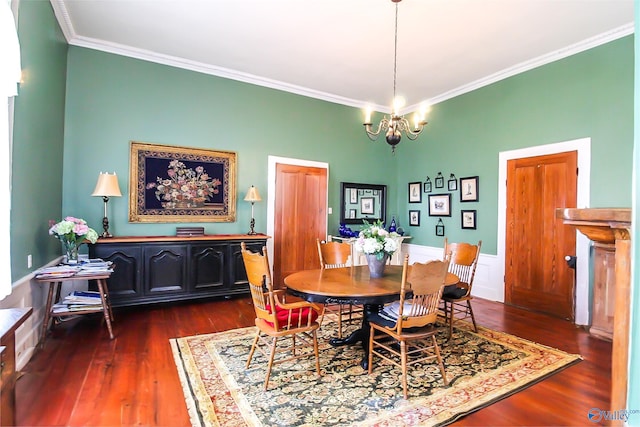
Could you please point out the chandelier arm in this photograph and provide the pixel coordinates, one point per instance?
(404, 126)
(382, 126)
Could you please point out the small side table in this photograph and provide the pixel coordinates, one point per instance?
(55, 285)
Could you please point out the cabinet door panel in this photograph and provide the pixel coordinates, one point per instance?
(125, 281)
(165, 269)
(207, 267)
(237, 274)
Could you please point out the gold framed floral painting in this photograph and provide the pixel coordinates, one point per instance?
(179, 184)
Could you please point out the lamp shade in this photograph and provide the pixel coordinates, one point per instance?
(252, 195)
(107, 185)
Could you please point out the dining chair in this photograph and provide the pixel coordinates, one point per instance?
(336, 255)
(277, 319)
(456, 299)
(410, 322)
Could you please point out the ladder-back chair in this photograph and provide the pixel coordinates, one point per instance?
(277, 319)
(456, 299)
(336, 255)
(411, 321)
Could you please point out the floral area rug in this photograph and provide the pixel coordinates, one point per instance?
(482, 368)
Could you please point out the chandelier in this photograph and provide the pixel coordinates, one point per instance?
(395, 125)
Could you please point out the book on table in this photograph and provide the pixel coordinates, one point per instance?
(79, 301)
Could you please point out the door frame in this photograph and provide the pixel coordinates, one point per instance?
(271, 192)
(583, 147)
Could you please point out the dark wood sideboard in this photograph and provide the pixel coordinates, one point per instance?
(153, 269)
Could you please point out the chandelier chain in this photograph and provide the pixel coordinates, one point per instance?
(395, 54)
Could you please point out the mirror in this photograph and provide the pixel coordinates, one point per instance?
(362, 201)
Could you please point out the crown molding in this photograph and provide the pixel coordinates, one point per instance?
(72, 38)
(64, 21)
(586, 44)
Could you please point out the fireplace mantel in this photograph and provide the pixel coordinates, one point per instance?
(610, 230)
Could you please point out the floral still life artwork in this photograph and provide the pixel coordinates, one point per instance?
(185, 187)
(73, 232)
(179, 184)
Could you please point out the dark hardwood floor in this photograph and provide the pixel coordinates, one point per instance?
(82, 378)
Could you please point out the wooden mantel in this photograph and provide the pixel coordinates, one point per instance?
(611, 228)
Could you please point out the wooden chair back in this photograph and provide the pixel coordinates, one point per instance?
(334, 254)
(422, 285)
(259, 277)
(463, 261)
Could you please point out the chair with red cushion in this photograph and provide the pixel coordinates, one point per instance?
(295, 324)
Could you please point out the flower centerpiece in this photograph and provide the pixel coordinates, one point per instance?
(377, 244)
(73, 232)
(184, 187)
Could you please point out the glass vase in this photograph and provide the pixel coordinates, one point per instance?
(71, 252)
(376, 266)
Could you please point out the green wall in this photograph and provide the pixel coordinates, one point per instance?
(38, 141)
(589, 94)
(112, 100)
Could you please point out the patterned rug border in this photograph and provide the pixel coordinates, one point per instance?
(202, 411)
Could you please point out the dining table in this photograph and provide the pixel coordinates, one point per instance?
(351, 285)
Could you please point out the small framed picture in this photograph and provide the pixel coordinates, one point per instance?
(452, 183)
(427, 185)
(469, 189)
(352, 214)
(353, 195)
(440, 204)
(440, 228)
(468, 219)
(439, 180)
(415, 195)
(414, 218)
(366, 205)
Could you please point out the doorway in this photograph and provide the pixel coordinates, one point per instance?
(537, 276)
(583, 148)
(296, 214)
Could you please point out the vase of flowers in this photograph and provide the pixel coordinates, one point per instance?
(73, 232)
(378, 245)
(184, 187)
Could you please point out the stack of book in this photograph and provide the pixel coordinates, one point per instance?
(79, 301)
(57, 272)
(95, 266)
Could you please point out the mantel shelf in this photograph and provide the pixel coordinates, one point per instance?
(602, 225)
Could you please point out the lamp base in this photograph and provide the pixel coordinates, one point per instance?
(251, 225)
(105, 227)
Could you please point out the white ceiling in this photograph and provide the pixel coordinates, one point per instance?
(342, 50)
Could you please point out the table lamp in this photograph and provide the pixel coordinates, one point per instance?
(107, 186)
(252, 196)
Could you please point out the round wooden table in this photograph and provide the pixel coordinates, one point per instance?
(351, 285)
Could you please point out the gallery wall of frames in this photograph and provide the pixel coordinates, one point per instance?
(439, 194)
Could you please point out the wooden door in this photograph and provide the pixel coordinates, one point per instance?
(300, 218)
(537, 276)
